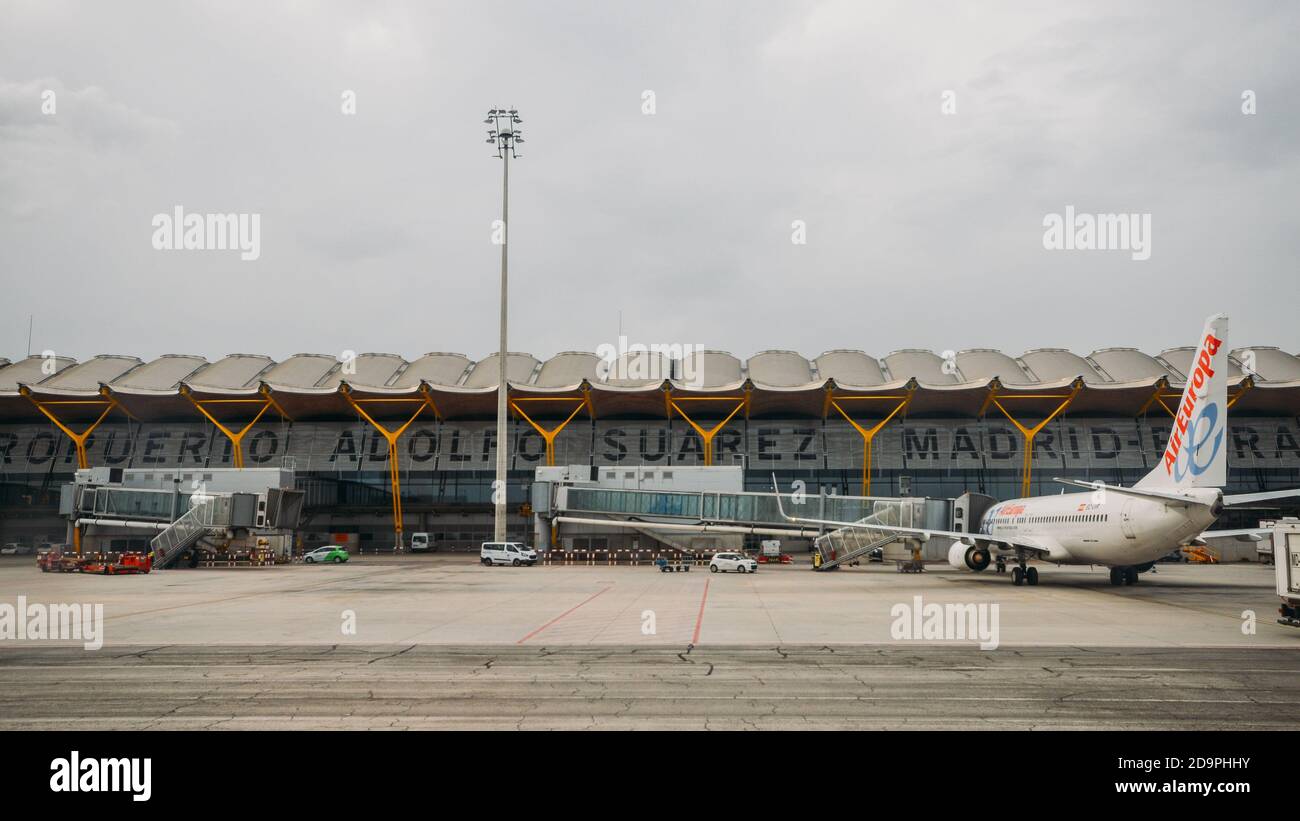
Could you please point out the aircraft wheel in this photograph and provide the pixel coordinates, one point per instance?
(1031, 576)
(1116, 576)
(1017, 576)
(1130, 575)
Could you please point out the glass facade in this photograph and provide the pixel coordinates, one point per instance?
(448, 467)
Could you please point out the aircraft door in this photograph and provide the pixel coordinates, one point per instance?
(1126, 519)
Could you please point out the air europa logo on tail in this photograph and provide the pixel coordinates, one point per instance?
(1184, 429)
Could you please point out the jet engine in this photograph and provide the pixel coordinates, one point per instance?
(968, 557)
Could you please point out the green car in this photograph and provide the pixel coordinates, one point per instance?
(328, 553)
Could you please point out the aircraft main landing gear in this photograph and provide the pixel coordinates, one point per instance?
(1024, 575)
(1123, 575)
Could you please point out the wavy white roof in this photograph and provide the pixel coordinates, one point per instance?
(771, 369)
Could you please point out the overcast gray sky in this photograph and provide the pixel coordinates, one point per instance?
(924, 229)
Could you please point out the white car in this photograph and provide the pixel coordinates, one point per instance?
(328, 553)
(732, 561)
(511, 553)
(11, 549)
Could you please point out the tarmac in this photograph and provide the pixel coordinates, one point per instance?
(442, 642)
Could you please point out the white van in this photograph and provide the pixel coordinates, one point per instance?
(511, 553)
(420, 541)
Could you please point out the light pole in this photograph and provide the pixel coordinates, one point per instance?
(504, 134)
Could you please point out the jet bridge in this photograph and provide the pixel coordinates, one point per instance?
(676, 517)
(245, 513)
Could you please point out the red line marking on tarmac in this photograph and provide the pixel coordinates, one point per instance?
(699, 620)
(562, 615)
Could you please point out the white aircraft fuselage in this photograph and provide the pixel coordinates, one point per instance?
(1103, 527)
(1124, 528)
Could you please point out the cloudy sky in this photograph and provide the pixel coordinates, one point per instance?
(923, 228)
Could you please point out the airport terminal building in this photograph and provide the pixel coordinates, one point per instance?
(911, 423)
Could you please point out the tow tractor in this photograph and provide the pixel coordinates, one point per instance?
(112, 564)
(108, 564)
(56, 561)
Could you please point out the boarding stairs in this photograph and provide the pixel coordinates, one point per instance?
(848, 543)
(207, 515)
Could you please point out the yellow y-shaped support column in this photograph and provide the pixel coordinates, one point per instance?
(708, 434)
(78, 439)
(391, 436)
(1160, 397)
(868, 434)
(1029, 433)
(236, 437)
(1162, 385)
(428, 400)
(548, 435)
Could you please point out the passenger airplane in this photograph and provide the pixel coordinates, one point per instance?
(1124, 528)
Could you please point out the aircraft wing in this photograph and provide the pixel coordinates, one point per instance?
(1019, 543)
(1043, 547)
(1247, 498)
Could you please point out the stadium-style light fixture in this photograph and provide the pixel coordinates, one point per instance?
(504, 135)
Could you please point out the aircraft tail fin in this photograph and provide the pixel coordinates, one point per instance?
(1196, 454)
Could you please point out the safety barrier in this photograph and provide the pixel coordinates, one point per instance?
(612, 558)
(256, 558)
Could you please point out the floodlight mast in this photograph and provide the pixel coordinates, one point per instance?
(504, 134)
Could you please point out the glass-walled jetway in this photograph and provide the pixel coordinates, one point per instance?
(573, 516)
(104, 507)
(744, 508)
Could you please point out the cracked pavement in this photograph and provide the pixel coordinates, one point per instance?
(445, 687)
(444, 643)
